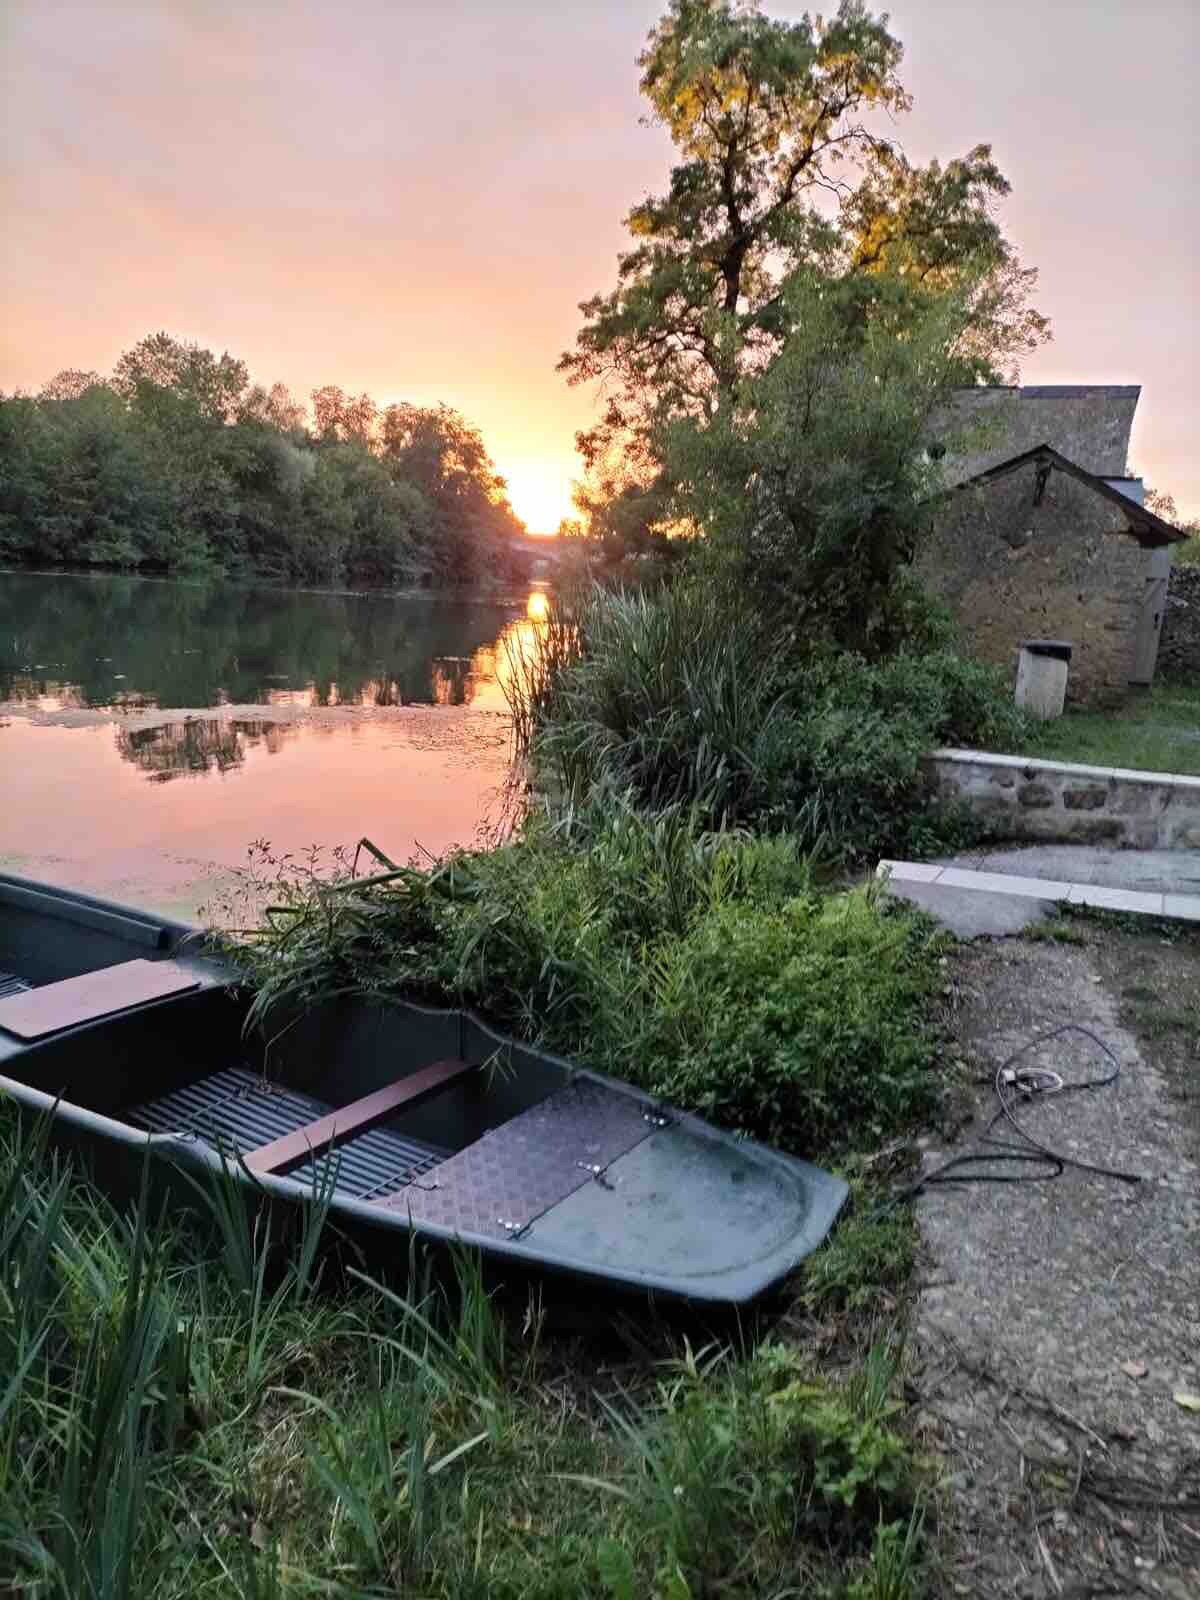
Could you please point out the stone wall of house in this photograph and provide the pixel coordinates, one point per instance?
(1068, 803)
(1010, 569)
(1179, 646)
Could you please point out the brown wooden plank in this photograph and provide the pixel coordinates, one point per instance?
(357, 1117)
(92, 995)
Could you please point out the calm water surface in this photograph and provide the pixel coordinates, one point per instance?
(151, 730)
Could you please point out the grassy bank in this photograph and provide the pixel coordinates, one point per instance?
(1157, 730)
(187, 1412)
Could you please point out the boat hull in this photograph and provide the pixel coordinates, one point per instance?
(549, 1170)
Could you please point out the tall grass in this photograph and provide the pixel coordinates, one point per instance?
(152, 1444)
(682, 695)
(669, 691)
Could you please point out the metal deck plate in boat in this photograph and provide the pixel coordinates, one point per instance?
(240, 1110)
(498, 1185)
(11, 984)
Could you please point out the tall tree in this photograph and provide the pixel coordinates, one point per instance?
(212, 384)
(438, 452)
(780, 176)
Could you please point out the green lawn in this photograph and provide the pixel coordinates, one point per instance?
(1158, 730)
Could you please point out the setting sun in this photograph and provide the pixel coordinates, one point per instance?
(540, 491)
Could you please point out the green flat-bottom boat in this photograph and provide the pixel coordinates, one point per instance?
(412, 1121)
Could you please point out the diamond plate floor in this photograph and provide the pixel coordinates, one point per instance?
(498, 1185)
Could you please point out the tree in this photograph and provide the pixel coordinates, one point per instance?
(212, 384)
(439, 453)
(812, 489)
(780, 178)
(273, 408)
(180, 463)
(70, 384)
(337, 415)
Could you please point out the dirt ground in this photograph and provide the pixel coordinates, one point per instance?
(1056, 1335)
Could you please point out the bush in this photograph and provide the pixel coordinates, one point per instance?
(798, 1023)
(682, 696)
(703, 966)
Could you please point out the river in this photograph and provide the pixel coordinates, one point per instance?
(152, 731)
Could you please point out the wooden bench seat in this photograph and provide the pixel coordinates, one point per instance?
(337, 1126)
(92, 995)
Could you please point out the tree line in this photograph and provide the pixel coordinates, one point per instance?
(178, 463)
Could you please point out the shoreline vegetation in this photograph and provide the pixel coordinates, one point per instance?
(176, 464)
(506, 590)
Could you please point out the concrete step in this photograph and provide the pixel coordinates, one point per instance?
(974, 903)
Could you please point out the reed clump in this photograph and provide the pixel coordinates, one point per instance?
(184, 1412)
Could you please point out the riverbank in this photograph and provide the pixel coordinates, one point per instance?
(499, 592)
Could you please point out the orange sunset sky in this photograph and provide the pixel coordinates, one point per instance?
(411, 197)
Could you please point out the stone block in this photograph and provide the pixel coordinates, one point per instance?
(1094, 830)
(1036, 796)
(1089, 798)
(1133, 799)
(1186, 836)
(1093, 894)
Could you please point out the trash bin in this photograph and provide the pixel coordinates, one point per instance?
(1042, 670)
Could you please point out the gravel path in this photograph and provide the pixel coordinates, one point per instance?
(1059, 1321)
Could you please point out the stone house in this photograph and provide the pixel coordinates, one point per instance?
(1042, 534)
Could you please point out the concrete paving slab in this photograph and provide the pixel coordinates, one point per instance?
(1005, 883)
(1104, 899)
(1164, 871)
(973, 913)
(1184, 906)
(912, 871)
(975, 903)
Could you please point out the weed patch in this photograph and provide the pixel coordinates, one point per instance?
(389, 1442)
(707, 967)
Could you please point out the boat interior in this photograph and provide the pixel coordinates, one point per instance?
(427, 1110)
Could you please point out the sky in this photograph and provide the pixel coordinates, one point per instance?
(412, 198)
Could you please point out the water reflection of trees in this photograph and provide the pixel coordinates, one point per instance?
(197, 745)
(181, 644)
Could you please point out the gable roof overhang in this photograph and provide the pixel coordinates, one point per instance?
(1149, 530)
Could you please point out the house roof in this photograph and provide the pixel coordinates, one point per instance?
(1089, 423)
(1146, 528)
(1060, 391)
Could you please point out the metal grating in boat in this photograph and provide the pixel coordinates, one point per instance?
(240, 1109)
(10, 984)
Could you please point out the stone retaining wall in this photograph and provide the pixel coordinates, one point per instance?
(1058, 800)
(1179, 646)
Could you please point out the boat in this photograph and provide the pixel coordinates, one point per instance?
(412, 1123)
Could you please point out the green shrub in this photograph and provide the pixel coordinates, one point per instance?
(703, 966)
(684, 696)
(799, 1024)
